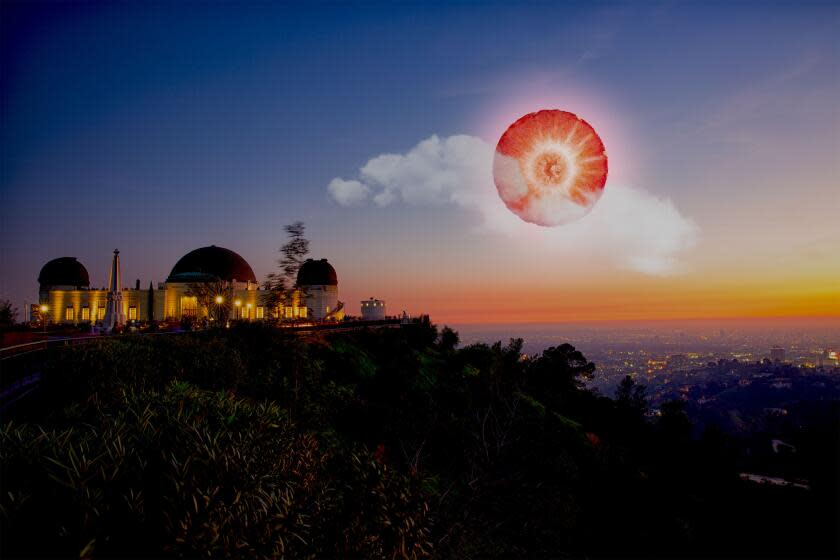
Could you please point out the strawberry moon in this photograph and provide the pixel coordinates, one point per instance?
(550, 167)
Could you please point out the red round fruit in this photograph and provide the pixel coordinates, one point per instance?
(550, 167)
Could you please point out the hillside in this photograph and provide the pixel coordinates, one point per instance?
(393, 443)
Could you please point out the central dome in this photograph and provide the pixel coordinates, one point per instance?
(212, 263)
(64, 271)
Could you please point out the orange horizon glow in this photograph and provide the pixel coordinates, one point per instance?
(470, 319)
(823, 306)
(793, 319)
(671, 299)
(441, 315)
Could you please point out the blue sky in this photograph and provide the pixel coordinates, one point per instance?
(158, 128)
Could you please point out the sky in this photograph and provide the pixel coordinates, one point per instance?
(157, 128)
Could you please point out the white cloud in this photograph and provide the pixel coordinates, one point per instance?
(630, 226)
(347, 193)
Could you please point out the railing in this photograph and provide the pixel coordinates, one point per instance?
(29, 347)
(21, 364)
(18, 378)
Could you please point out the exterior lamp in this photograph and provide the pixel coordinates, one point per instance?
(43, 309)
(219, 301)
(237, 303)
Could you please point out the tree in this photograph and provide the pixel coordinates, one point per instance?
(214, 297)
(294, 251)
(561, 370)
(281, 285)
(632, 395)
(674, 423)
(150, 302)
(8, 313)
(448, 339)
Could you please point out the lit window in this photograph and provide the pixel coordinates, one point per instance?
(328, 309)
(69, 314)
(100, 313)
(260, 312)
(132, 313)
(303, 311)
(189, 306)
(85, 313)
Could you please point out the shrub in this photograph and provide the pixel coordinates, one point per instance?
(189, 472)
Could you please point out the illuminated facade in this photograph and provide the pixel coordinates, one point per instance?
(373, 309)
(65, 295)
(319, 282)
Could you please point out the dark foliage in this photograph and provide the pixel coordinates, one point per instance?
(377, 444)
(206, 294)
(8, 313)
(280, 286)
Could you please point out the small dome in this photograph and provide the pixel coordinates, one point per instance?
(317, 273)
(64, 271)
(209, 264)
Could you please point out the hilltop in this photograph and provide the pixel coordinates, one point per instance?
(381, 443)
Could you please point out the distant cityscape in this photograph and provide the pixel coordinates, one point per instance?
(670, 360)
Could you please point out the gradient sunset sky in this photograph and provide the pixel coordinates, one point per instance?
(158, 128)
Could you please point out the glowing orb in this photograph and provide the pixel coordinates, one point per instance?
(550, 167)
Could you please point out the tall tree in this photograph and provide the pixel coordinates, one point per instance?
(294, 251)
(632, 395)
(281, 285)
(560, 371)
(150, 301)
(214, 297)
(8, 313)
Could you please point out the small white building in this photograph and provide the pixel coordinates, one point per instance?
(373, 309)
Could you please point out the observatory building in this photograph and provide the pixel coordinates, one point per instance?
(318, 283)
(373, 309)
(65, 295)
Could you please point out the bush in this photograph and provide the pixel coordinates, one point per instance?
(394, 443)
(191, 472)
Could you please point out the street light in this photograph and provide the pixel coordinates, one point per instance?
(44, 309)
(219, 301)
(238, 304)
